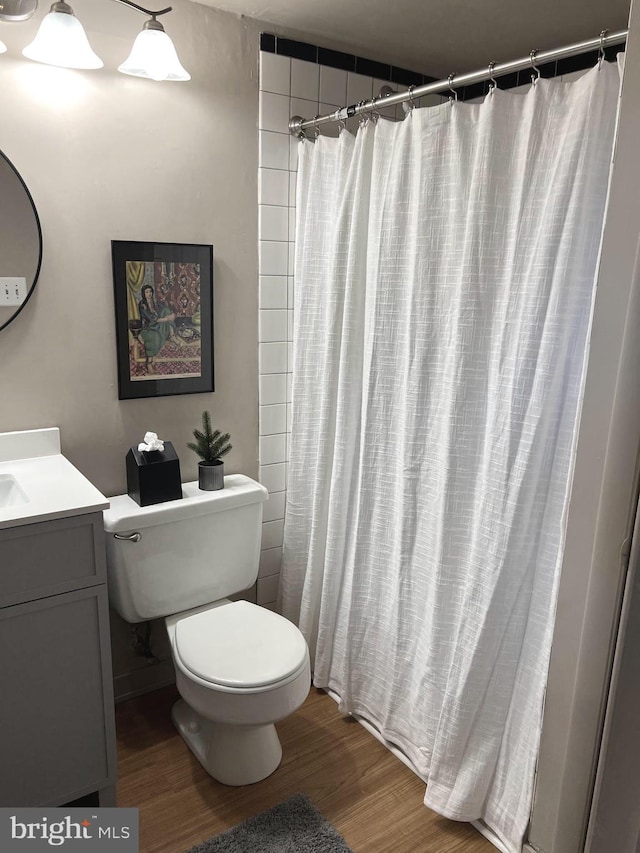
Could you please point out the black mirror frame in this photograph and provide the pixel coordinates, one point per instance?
(39, 229)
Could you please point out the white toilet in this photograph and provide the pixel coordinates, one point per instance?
(239, 668)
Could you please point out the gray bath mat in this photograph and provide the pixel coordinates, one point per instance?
(295, 826)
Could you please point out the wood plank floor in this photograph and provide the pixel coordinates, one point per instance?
(360, 787)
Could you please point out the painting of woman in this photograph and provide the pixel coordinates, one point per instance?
(164, 318)
(158, 322)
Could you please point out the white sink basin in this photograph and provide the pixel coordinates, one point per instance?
(10, 492)
(37, 483)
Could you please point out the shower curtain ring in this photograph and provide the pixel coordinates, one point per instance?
(454, 94)
(601, 57)
(375, 112)
(364, 118)
(492, 80)
(532, 58)
(410, 90)
(316, 129)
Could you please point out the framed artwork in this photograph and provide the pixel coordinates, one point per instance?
(164, 318)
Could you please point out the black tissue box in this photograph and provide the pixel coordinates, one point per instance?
(153, 476)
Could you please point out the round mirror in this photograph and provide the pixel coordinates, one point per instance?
(20, 243)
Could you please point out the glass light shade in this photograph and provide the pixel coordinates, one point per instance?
(154, 56)
(62, 41)
(3, 47)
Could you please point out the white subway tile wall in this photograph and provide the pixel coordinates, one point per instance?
(280, 77)
(305, 80)
(273, 449)
(287, 87)
(359, 88)
(272, 534)
(272, 358)
(270, 562)
(273, 326)
(293, 179)
(274, 150)
(273, 419)
(304, 107)
(274, 111)
(274, 477)
(273, 188)
(333, 85)
(268, 589)
(273, 291)
(273, 389)
(274, 508)
(273, 257)
(274, 222)
(333, 129)
(275, 74)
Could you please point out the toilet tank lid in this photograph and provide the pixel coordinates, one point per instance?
(124, 513)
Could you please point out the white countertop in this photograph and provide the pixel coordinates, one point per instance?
(53, 486)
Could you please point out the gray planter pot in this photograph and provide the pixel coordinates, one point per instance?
(211, 477)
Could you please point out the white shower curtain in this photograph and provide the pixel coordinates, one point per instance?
(444, 281)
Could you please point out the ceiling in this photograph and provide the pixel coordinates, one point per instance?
(437, 37)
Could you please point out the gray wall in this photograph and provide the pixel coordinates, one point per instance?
(105, 157)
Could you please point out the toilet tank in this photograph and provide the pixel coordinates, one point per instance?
(187, 552)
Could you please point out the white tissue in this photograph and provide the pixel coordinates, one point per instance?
(151, 442)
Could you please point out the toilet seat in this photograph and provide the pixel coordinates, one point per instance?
(239, 645)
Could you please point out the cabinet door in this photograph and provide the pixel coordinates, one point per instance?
(53, 726)
(51, 557)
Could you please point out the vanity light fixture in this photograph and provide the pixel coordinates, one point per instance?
(62, 41)
(153, 54)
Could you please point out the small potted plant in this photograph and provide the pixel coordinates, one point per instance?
(210, 444)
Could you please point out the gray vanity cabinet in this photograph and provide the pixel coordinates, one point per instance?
(57, 732)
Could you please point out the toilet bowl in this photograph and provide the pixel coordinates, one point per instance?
(240, 668)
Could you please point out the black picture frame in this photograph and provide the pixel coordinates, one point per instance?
(163, 295)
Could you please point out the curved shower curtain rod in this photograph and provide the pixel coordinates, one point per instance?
(298, 125)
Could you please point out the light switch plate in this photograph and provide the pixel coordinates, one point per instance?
(13, 290)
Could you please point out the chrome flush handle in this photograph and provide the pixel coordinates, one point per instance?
(130, 537)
